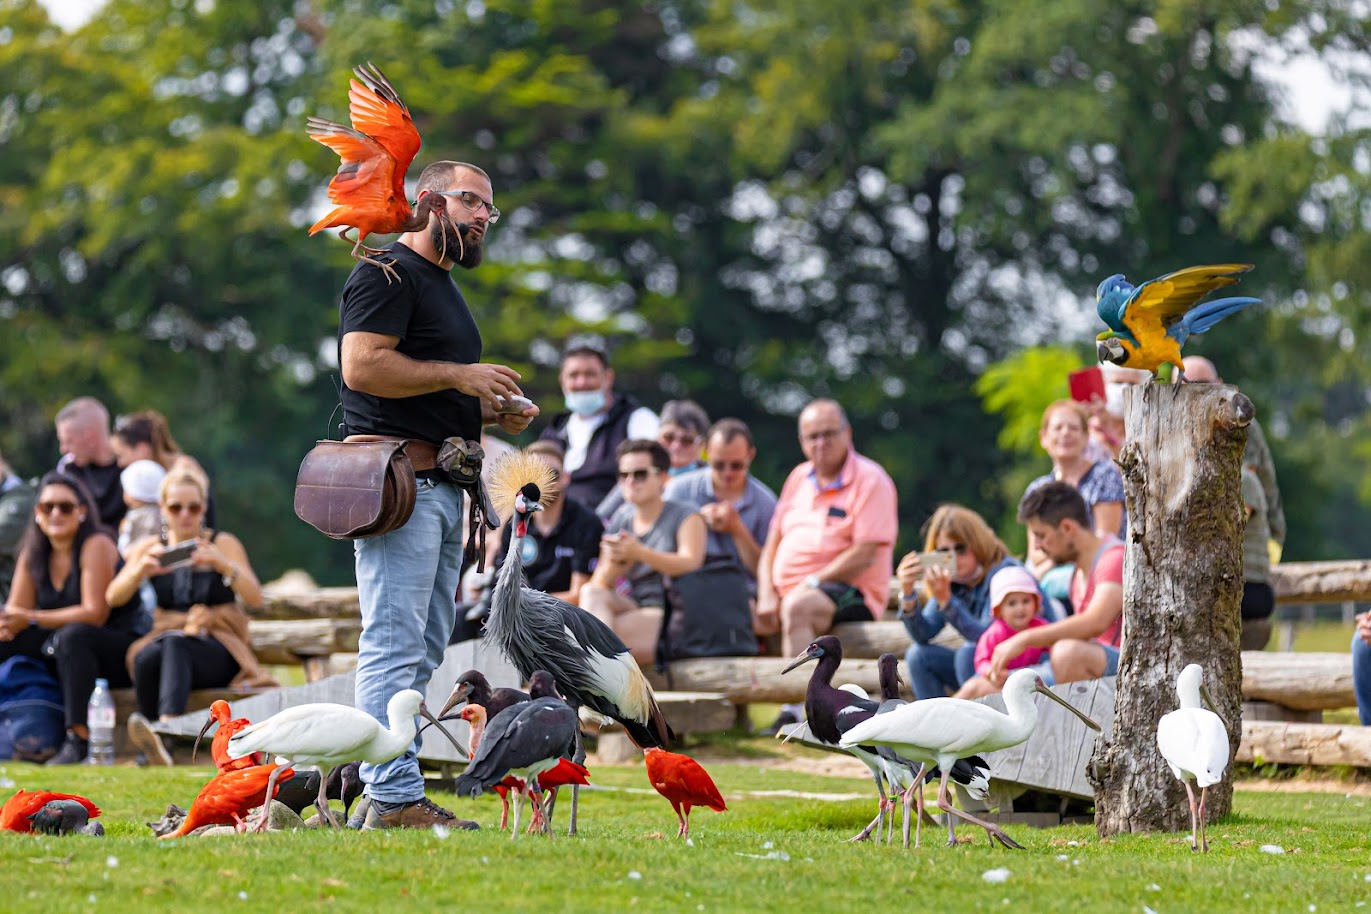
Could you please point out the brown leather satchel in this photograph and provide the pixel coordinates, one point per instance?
(355, 489)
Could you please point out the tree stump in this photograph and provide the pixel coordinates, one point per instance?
(1182, 592)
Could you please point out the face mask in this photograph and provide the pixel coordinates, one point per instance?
(584, 402)
(1113, 399)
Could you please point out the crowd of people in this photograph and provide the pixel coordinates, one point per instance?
(654, 516)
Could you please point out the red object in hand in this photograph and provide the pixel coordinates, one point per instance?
(14, 815)
(1087, 384)
(230, 796)
(228, 726)
(684, 782)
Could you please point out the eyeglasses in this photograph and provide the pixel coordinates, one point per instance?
(61, 507)
(474, 203)
(670, 439)
(958, 548)
(823, 434)
(637, 475)
(719, 466)
(193, 508)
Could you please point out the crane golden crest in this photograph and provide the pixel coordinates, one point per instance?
(511, 472)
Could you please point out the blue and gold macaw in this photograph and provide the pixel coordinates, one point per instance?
(1149, 323)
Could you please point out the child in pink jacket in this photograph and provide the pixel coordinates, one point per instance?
(1015, 602)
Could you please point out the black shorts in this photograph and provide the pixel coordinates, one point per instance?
(848, 600)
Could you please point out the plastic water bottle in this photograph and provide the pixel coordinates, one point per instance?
(100, 720)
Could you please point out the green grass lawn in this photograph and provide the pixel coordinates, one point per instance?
(767, 853)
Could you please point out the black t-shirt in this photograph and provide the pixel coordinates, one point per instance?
(426, 310)
(573, 545)
(104, 486)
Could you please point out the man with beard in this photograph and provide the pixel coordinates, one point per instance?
(410, 354)
(1085, 645)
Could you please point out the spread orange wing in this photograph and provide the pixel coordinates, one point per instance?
(1158, 303)
(377, 111)
(363, 188)
(14, 815)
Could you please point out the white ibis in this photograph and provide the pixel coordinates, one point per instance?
(1194, 743)
(324, 734)
(591, 665)
(939, 731)
(523, 740)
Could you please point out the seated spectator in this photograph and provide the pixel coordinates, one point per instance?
(57, 607)
(563, 539)
(1064, 436)
(827, 557)
(145, 435)
(1086, 645)
(16, 514)
(1258, 599)
(1361, 667)
(682, 433)
(960, 600)
(736, 506)
(141, 482)
(1106, 418)
(648, 540)
(1015, 602)
(596, 421)
(199, 637)
(88, 456)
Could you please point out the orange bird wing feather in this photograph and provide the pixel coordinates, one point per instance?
(682, 779)
(229, 794)
(376, 110)
(14, 815)
(564, 772)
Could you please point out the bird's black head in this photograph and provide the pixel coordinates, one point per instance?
(827, 646)
(529, 499)
(542, 685)
(888, 667)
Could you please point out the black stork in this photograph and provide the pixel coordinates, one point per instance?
(591, 665)
(523, 740)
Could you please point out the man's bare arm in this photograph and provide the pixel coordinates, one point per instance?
(850, 563)
(371, 365)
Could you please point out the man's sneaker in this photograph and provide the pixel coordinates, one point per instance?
(422, 813)
(784, 719)
(73, 752)
(145, 738)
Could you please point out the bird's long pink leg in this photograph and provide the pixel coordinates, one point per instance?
(685, 822)
(504, 811)
(321, 803)
(1204, 841)
(1194, 822)
(266, 802)
(945, 804)
(518, 808)
(880, 815)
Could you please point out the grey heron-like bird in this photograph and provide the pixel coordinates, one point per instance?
(536, 631)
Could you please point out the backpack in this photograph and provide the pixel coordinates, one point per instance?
(708, 614)
(32, 722)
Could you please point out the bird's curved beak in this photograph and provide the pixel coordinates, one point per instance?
(459, 695)
(808, 655)
(428, 715)
(1066, 704)
(1208, 699)
(200, 736)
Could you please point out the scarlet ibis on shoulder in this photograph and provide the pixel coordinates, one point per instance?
(326, 734)
(219, 713)
(536, 631)
(523, 740)
(684, 782)
(16, 814)
(228, 797)
(474, 688)
(941, 731)
(1194, 742)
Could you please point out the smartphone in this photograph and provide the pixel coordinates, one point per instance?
(178, 555)
(512, 406)
(1086, 384)
(947, 561)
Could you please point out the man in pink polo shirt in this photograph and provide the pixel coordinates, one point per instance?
(829, 551)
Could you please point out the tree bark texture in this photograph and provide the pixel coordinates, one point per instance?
(1182, 591)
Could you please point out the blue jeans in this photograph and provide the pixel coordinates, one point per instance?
(935, 670)
(1361, 678)
(407, 584)
(1111, 665)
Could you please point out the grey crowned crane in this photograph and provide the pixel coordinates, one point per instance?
(591, 665)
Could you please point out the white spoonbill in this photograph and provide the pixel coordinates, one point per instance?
(939, 731)
(1194, 743)
(326, 734)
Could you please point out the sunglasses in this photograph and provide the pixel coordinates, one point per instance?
(959, 549)
(637, 475)
(61, 507)
(193, 508)
(719, 466)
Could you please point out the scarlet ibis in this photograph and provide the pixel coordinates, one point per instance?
(591, 665)
(940, 731)
(327, 734)
(227, 797)
(473, 688)
(684, 782)
(832, 712)
(563, 773)
(15, 814)
(523, 740)
(63, 817)
(219, 713)
(1194, 743)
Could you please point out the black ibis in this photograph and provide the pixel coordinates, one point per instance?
(941, 731)
(591, 665)
(473, 688)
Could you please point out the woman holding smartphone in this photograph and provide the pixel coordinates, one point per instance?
(199, 637)
(933, 598)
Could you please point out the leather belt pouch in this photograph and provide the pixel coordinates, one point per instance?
(355, 489)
